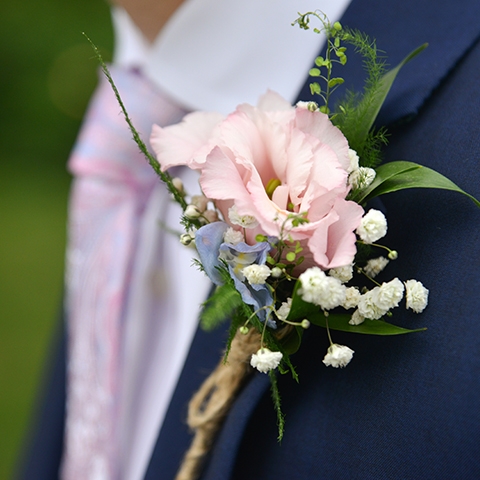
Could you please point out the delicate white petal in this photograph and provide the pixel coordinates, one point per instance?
(352, 297)
(233, 236)
(256, 274)
(284, 310)
(373, 226)
(390, 294)
(344, 274)
(338, 356)
(356, 319)
(375, 265)
(416, 295)
(265, 360)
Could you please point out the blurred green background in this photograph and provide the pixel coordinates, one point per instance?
(47, 74)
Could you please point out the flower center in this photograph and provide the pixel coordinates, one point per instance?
(271, 186)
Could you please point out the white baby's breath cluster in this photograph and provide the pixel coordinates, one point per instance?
(338, 356)
(416, 296)
(245, 221)
(265, 360)
(329, 291)
(322, 290)
(373, 226)
(359, 177)
(375, 265)
(256, 274)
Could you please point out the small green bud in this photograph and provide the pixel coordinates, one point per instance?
(290, 256)
(305, 323)
(393, 255)
(243, 330)
(337, 26)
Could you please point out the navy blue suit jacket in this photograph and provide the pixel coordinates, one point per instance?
(406, 407)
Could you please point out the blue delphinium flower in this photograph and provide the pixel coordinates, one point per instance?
(214, 253)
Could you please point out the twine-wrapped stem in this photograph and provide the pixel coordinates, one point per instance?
(211, 403)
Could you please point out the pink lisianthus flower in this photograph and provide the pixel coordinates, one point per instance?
(297, 151)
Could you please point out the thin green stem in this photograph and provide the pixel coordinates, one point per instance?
(165, 177)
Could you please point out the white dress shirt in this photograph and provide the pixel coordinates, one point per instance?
(212, 55)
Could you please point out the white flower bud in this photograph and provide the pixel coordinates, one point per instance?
(265, 360)
(284, 310)
(200, 201)
(186, 239)
(338, 356)
(311, 106)
(178, 184)
(211, 216)
(192, 212)
(276, 272)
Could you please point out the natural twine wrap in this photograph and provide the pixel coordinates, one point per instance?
(211, 403)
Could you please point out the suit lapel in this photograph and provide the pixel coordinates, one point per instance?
(175, 437)
(449, 26)
(450, 29)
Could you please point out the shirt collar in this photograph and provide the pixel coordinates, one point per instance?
(213, 55)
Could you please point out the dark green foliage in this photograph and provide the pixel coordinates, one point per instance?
(220, 306)
(277, 404)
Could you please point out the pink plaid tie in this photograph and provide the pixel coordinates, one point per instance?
(113, 183)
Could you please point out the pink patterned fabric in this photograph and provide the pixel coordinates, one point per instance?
(113, 182)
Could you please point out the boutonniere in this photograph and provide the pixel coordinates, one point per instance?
(283, 225)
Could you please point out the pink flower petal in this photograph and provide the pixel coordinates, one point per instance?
(186, 143)
(221, 180)
(319, 125)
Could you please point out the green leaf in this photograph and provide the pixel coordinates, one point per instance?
(314, 72)
(291, 343)
(300, 310)
(370, 110)
(368, 327)
(315, 88)
(219, 306)
(335, 81)
(401, 175)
